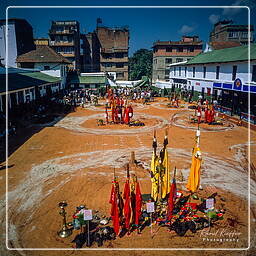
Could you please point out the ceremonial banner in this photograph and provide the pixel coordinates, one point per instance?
(166, 174)
(138, 204)
(127, 204)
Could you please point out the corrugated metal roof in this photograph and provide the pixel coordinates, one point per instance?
(18, 81)
(88, 79)
(239, 53)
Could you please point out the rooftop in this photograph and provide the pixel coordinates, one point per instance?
(217, 45)
(239, 53)
(42, 54)
(171, 43)
(88, 79)
(24, 80)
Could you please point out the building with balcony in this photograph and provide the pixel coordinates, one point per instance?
(20, 40)
(41, 41)
(226, 31)
(114, 46)
(65, 39)
(223, 75)
(168, 52)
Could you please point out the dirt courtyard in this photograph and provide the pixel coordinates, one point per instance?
(74, 159)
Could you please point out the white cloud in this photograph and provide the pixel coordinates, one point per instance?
(232, 11)
(185, 29)
(213, 18)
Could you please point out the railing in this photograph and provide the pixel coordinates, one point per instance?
(225, 110)
(243, 116)
(248, 118)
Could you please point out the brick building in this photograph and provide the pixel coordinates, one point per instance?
(226, 31)
(114, 45)
(65, 39)
(168, 52)
(90, 54)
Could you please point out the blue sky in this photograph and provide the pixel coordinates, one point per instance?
(146, 24)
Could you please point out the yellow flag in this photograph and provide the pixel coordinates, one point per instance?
(154, 177)
(165, 175)
(195, 170)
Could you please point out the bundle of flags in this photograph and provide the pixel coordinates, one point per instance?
(131, 212)
(160, 175)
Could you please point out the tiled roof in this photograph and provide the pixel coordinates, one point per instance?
(239, 53)
(42, 54)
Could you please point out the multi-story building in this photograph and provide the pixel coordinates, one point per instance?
(226, 31)
(65, 39)
(41, 41)
(114, 45)
(20, 40)
(90, 55)
(222, 74)
(168, 52)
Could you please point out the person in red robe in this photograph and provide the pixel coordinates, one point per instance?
(199, 114)
(106, 115)
(206, 112)
(126, 115)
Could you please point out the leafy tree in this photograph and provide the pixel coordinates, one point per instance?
(140, 64)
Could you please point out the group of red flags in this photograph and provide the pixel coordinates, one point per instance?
(129, 212)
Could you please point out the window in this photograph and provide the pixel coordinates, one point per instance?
(107, 65)
(217, 72)
(155, 61)
(179, 60)
(191, 49)
(119, 74)
(168, 49)
(244, 34)
(179, 71)
(234, 72)
(233, 34)
(119, 65)
(168, 61)
(254, 73)
(167, 72)
(180, 49)
(204, 72)
(174, 71)
(119, 55)
(194, 71)
(188, 59)
(185, 71)
(46, 67)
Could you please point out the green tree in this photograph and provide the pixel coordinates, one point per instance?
(140, 64)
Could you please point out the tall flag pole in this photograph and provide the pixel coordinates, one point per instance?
(127, 204)
(153, 173)
(165, 186)
(172, 196)
(195, 170)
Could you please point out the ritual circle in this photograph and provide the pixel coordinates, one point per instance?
(183, 120)
(83, 124)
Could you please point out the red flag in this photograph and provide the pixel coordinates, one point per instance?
(138, 204)
(172, 198)
(114, 209)
(127, 204)
(112, 198)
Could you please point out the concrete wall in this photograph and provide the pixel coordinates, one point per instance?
(12, 46)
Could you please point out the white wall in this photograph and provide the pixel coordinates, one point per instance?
(225, 75)
(12, 46)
